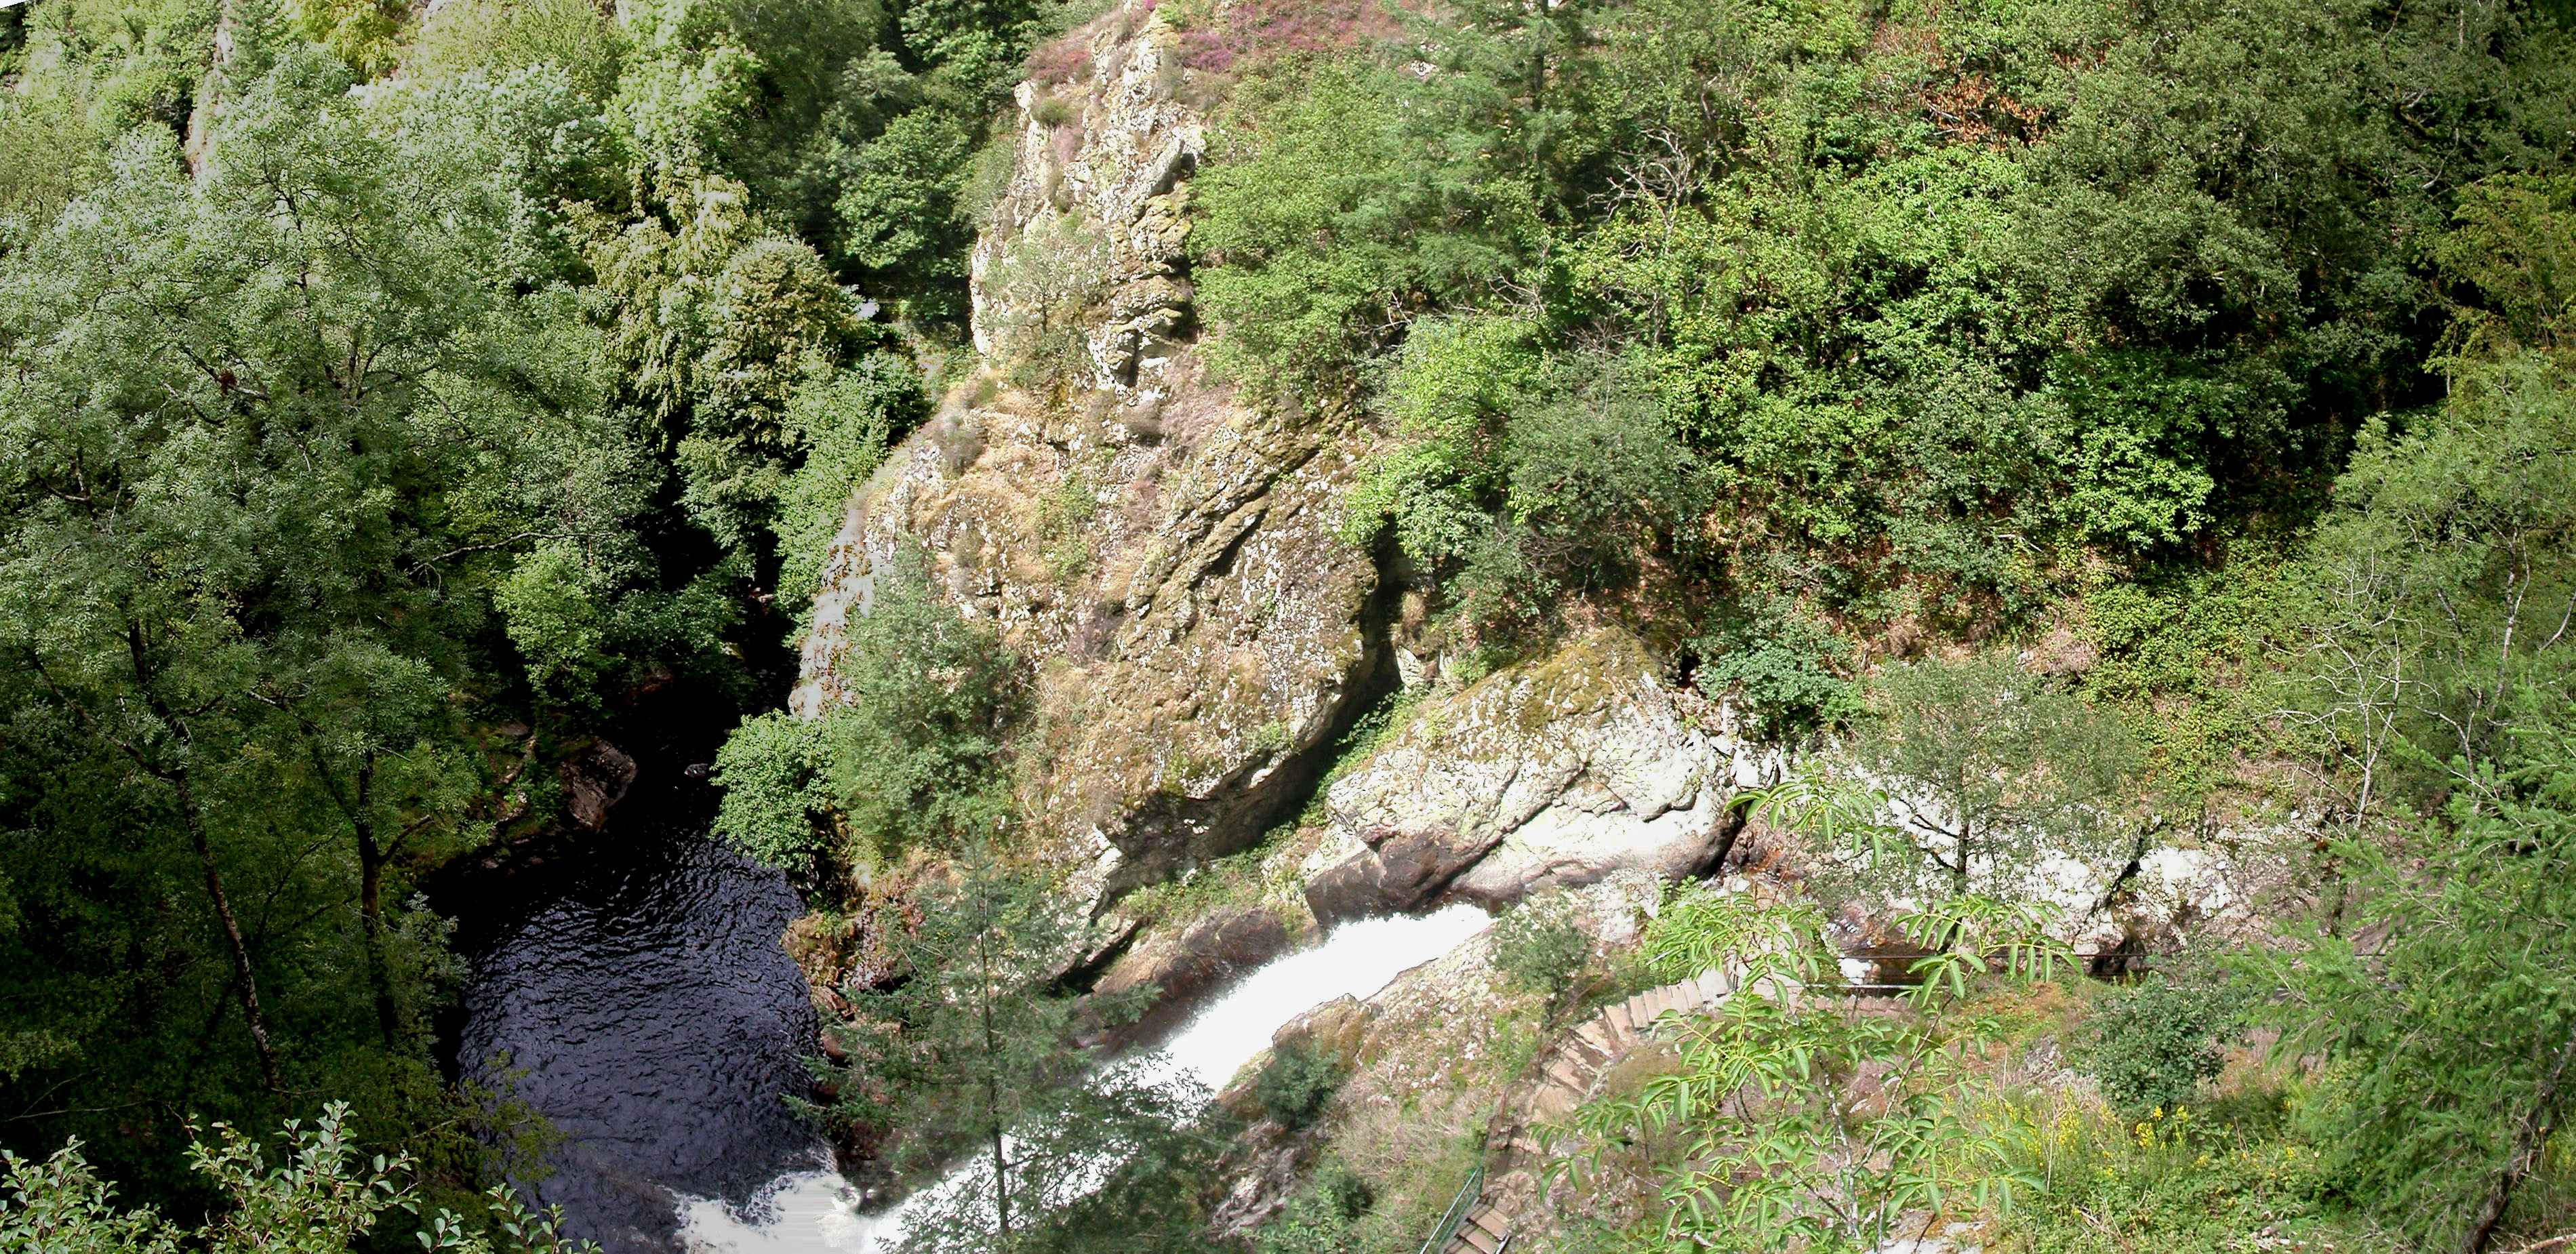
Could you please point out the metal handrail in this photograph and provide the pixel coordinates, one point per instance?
(1458, 1208)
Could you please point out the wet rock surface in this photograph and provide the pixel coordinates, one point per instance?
(1184, 968)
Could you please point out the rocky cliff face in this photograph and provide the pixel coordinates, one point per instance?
(1161, 549)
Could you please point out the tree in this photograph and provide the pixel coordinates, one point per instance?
(2447, 1085)
(968, 1054)
(1990, 769)
(918, 753)
(281, 435)
(2442, 678)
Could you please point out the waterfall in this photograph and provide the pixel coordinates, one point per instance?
(812, 1212)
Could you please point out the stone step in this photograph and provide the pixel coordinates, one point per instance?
(1567, 1075)
(1473, 1236)
(1652, 1007)
(1584, 1052)
(1623, 1024)
(1595, 1037)
(1553, 1102)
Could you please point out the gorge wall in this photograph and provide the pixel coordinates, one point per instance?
(1163, 548)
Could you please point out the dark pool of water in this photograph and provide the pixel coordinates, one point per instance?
(646, 1009)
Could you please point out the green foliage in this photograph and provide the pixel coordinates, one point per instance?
(775, 325)
(1296, 1083)
(846, 424)
(325, 1197)
(2436, 1112)
(2187, 654)
(501, 37)
(2156, 1043)
(1333, 203)
(295, 468)
(1044, 283)
(1783, 667)
(61, 1204)
(2426, 596)
(1759, 1146)
(917, 760)
(1456, 381)
(1539, 947)
(1522, 475)
(1932, 302)
(2166, 1181)
(2441, 695)
(778, 802)
(1993, 769)
(1318, 1218)
(349, 424)
(734, 88)
(969, 1054)
(912, 760)
(1697, 928)
(2513, 240)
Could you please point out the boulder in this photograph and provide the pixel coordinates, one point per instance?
(595, 782)
(1558, 771)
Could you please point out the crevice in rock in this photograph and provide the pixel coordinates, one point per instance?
(1258, 795)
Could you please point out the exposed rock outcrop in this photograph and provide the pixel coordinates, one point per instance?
(1553, 772)
(1163, 550)
(595, 782)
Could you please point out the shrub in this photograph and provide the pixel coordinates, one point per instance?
(2155, 1043)
(1781, 667)
(846, 424)
(1318, 1219)
(1298, 1082)
(777, 804)
(1539, 949)
(918, 756)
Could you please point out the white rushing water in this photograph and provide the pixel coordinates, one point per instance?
(815, 1212)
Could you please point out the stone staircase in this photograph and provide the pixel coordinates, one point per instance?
(1569, 1073)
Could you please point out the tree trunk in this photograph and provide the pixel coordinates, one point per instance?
(371, 907)
(371, 916)
(372, 857)
(992, 1065)
(2530, 1133)
(233, 937)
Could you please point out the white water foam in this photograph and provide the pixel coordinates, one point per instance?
(816, 1212)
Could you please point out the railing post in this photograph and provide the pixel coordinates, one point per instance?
(1458, 1208)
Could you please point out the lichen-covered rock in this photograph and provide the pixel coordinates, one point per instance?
(1099, 181)
(1557, 771)
(1161, 551)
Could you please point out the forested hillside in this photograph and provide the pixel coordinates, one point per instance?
(2065, 506)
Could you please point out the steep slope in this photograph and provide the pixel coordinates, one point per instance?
(1160, 548)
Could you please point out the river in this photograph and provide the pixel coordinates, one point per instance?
(638, 994)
